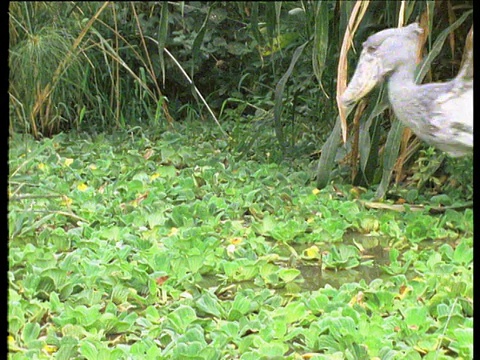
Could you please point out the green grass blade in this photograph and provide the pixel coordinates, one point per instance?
(327, 158)
(162, 37)
(279, 89)
(437, 47)
(320, 41)
(392, 146)
(365, 141)
(199, 40)
(254, 24)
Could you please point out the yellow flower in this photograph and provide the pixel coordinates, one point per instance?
(82, 187)
(236, 240)
(68, 161)
(315, 191)
(93, 167)
(41, 166)
(154, 176)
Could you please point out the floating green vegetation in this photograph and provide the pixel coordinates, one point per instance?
(171, 246)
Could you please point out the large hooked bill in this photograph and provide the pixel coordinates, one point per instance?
(367, 75)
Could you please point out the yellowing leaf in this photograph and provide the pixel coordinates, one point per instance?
(49, 349)
(148, 154)
(93, 167)
(173, 231)
(315, 191)
(308, 356)
(420, 349)
(68, 161)
(403, 292)
(101, 189)
(280, 42)
(12, 346)
(139, 199)
(358, 299)
(313, 252)
(67, 201)
(82, 187)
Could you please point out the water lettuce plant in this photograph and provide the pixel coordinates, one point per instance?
(171, 246)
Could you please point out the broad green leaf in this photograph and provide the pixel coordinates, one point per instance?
(88, 349)
(55, 304)
(46, 284)
(294, 311)
(416, 317)
(30, 332)
(153, 352)
(266, 226)
(195, 262)
(209, 304)
(327, 342)
(240, 307)
(317, 303)
(288, 275)
(167, 171)
(463, 254)
(67, 349)
(270, 349)
(119, 294)
(181, 318)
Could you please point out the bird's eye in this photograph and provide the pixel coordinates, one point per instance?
(369, 47)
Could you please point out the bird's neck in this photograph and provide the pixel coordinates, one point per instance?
(403, 75)
(403, 93)
(401, 84)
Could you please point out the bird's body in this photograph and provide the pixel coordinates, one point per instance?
(441, 114)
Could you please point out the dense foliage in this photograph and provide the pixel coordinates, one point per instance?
(162, 195)
(172, 246)
(102, 65)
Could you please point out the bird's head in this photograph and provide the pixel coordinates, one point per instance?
(382, 53)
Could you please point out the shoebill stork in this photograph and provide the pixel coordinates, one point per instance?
(441, 114)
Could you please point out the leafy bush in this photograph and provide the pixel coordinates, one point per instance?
(143, 64)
